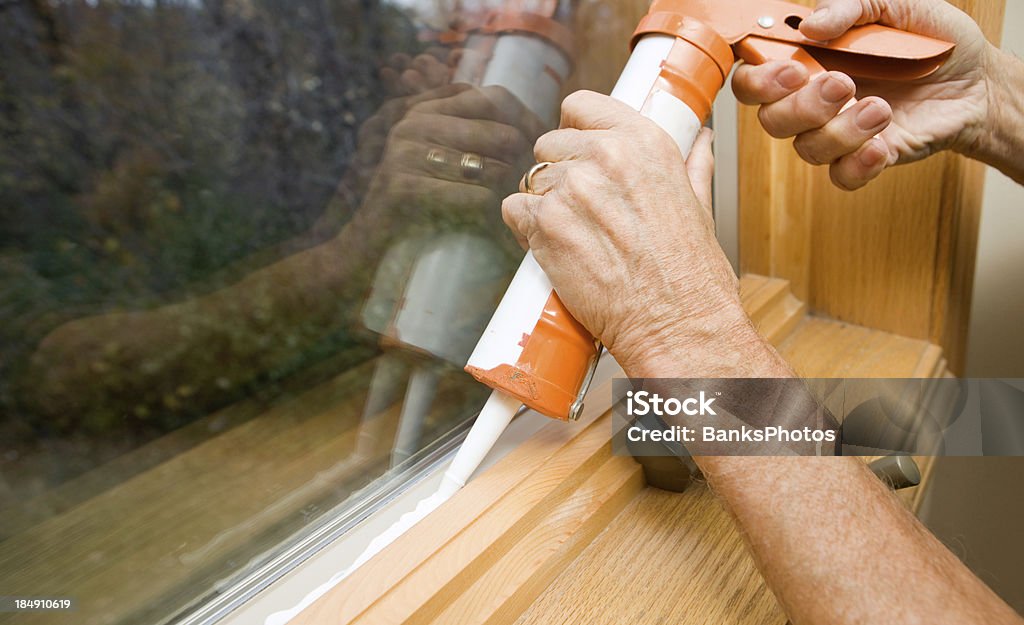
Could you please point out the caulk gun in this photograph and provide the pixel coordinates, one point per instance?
(533, 352)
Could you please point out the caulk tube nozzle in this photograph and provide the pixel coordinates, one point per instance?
(493, 419)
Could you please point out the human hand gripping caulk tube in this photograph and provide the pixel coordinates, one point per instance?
(533, 352)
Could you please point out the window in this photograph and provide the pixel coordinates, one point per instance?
(227, 228)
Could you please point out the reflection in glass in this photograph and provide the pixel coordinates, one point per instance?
(245, 251)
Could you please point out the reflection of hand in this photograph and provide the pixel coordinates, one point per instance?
(453, 157)
(407, 81)
(894, 122)
(404, 75)
(628, 243)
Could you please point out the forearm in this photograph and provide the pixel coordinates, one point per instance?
(833, 543)
(1000, 142)
(192, 354)
(837, 547)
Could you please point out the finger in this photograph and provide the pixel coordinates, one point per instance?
(769, 82)
(412, 81)
(845, 133)
(834, 17)
(436, 201)
(855, 170)
(493, 103)
(489, 138)
(565, 144)
(433, 71)
(544, 179)
(700, 167)
(809, 108)
(519, 212)
(436, 93)
(512, 111)
(435, 161)
(587, 110)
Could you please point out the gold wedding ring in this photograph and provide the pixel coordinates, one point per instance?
(530, 173)
(437, 157)
(472, 165)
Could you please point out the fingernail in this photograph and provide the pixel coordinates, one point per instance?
(834, 90)
(792, 76)
(872, 116)
(873, 155)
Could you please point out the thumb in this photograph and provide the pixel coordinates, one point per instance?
(700, 167)
(834, 17)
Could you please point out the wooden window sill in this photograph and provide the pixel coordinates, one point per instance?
(561, 530)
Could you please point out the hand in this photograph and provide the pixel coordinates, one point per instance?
(424, 173)
(894, 122)
(622, 225)
(407, 81)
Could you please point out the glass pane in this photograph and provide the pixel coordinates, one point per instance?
(246, 247)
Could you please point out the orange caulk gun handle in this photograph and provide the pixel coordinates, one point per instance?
(763, 30)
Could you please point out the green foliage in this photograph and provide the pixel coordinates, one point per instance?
(148, 144)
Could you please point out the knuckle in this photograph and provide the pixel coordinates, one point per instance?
(406, 127)
(661, 140)
(573, 183)
(842, 179)
(608, 153)
(513, 209)
(543, 145)
(808, 148)
(509, 138)
(574, 100)
(807, 110)
(548, 218)
(768, 116)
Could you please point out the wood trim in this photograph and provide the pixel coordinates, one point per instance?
(561, 530)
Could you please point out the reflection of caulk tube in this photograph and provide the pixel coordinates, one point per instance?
(382, 393)
(419, 396)
(433, 296)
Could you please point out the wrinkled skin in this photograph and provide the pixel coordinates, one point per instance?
(622, 225)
